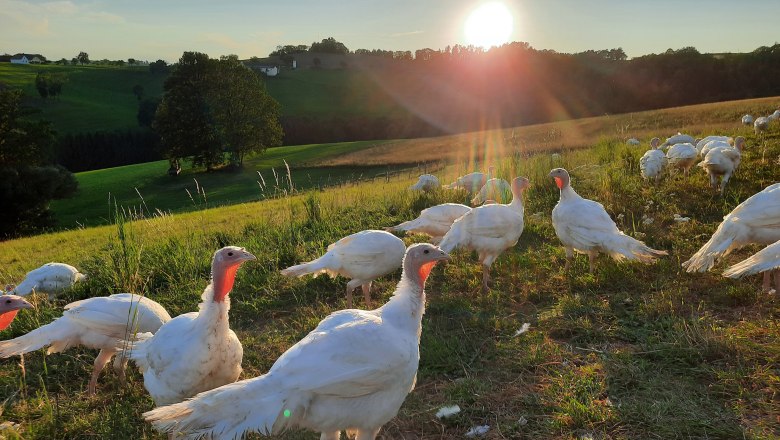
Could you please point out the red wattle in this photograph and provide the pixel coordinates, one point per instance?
(558, 182)
(425, 270)
(6, 318)
(223, 283)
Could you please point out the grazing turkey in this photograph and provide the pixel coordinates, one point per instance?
(351, 373)
(9, 307)
(362, 257)
(51, 278)
(652, 163)
(489, 229)
(634, 142)
(472, 182)
(434, 221)
(738, 142)
(197, 351)
(584, 226)
(760, 125)
(766, 260)
(722, 161)
(679, 138)
(426, 182)
(747, 120)
(754, 221)
(682, 156)
(497, 190)
(706, 140)
(94, 323)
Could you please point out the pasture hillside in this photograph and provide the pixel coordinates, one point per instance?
(327, 164)
(631, 351)
(146, 188)
(94, 98)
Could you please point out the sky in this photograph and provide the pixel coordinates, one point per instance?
(163, 29)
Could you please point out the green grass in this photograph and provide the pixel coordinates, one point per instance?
(630, 352)
(146, 188)
(94, 98)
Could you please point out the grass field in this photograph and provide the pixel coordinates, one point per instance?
(630, 352)
(95, 98)
(146, 188)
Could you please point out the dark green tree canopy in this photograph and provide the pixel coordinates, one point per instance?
(329, 45)
(215, 110)
(30, 181)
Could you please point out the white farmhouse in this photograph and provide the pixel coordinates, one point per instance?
(26, 58)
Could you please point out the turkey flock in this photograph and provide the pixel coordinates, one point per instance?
(354, 370)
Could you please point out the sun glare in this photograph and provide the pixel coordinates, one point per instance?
(489, 25)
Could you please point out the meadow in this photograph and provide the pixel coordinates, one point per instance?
(631, 351)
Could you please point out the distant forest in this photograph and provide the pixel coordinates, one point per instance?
(464, 88)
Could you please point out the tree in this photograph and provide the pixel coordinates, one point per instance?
(30, 181)
(131, 61)
(49, 84)
(138, 91)
(146, 111)
(329, 45)
(159, 66)
(83, 58)
(215, 107)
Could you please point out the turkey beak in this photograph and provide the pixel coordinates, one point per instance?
(443, 256)
(247, 256)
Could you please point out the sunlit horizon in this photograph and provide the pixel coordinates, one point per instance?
(490, 24)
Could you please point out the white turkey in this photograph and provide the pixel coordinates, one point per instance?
(9, 307)
(774, 116)
(633, 141)
(362, 257)
(426, 182)
(653, 162)
(196, 351)
(50, 278)
(721, 161)
(471, 182)
(754, 221)
(434, 221)
(351, 373)
(584, 226)
(760, 125)
(94, 323)
(495, 190)
(679, 138)
(706, 140)
(489, 229)
(682, 156)
(766, 260)
(747, 120)
(738, 142)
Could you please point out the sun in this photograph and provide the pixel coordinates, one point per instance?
(489, 25)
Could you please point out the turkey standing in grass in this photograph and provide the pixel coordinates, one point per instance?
(766, 260)
(434, 221)
(760, 125)
(706, 140)
(653, 161)
(351, 373)
(9, 307)
(489, 229)
(426, 182)
(50, 278)
(747, 120)
(584, 226)
(495, 190)
(738, 143)
(682, 156)
(362, 257)
(722, 161)
(94, 323)
(197, 351)
(754, 221)
(679, 139)
(470, 182)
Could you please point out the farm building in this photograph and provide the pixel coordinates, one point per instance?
(27, 58)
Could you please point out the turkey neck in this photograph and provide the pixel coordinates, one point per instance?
(407, 306)
(517, 202)
(214, 312)
(568, 193)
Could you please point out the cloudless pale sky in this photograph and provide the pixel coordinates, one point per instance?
(163, 29)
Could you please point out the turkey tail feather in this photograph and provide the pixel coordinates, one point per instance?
(38, 338)
(230, 411)
(720, 245)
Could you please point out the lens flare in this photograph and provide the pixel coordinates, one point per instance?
(489, 25)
